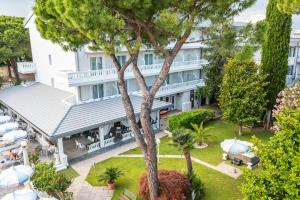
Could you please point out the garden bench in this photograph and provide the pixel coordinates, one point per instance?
(127, 195)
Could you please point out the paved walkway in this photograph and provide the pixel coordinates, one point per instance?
(82, 189)
(222, 167)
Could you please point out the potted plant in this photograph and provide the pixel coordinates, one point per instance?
(109, 176)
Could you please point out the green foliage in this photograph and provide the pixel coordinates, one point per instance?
(183, 139)
(197, 186)
(46, 179)
(34, 158)
(274, 61)
(289, 6)
(242, 97)
(200, 133)
(110, 175)
(109, 24)
(14, 40)
(185, 119)
(279, 173)
(225, 41)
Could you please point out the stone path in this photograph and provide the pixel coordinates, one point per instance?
(81, 189)
(224, 168)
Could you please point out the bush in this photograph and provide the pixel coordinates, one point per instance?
(110, 175)
(197, 186)
(172, 184)
(185, 119)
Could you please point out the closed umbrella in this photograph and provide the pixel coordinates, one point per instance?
(15, 175)
(8, 127)
(25, 194)
(4, 119)
(14, 135)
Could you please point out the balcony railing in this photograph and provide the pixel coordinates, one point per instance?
(177, 88)
(26, 67)
(104, 75)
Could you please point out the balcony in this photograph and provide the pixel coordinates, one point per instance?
(177, 88)
(26, 67)
(105, 75)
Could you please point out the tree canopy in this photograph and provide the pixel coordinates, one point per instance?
(224, 41)
(289, 6)
(279, 169)
(14, 41)
(274, 60)
(242, 95)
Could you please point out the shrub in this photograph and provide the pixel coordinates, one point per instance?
(197, 186)
(172, 184)
(110, 175)
(185, 119)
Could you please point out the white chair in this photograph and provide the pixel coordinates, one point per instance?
(82, 147)
(77, 144)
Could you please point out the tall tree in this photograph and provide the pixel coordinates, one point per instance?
(289, 6)
(242, 95)
(109, 24)
(224, 40)
(14, 42)
(274, 60)
(279, 169)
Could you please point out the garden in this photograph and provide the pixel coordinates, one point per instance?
(216, 184)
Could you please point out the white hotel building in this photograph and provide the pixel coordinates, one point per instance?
(75, 103)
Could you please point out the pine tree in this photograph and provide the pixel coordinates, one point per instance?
(274, 61)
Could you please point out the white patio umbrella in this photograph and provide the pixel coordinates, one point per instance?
(8, 127)
(234, 146)
(4, 119)
(25, 194)
(14, 135)
(15, 175)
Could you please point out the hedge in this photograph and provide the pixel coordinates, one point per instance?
(185, 119)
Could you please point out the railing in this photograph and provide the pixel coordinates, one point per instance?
(83, 77)
(109, 142)
(291, 60)
(126, 136)
(94, 147)
(26, 67)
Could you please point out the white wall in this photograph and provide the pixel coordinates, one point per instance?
(61, 60)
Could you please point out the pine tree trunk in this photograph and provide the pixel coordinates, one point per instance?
(151, 159)
(189, 163)
(240, 130)
(15, 69)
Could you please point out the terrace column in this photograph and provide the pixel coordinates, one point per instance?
(101, 134)
(62, 156)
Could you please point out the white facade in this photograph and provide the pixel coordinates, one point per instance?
(91, 75)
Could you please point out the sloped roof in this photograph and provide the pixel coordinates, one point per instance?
(42, 106)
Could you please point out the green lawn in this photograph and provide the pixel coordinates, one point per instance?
(217, 185)
(213, 153)
(70, 173)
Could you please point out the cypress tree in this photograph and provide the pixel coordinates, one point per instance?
(274, 62)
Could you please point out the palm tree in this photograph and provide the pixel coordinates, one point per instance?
(200, 133)
(184, 141)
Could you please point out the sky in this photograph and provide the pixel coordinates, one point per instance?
(255, 13)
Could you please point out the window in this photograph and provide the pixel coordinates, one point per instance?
(122, 60)
(200, 74)
(95, 63)
(98, 91)
(290, 69)
(148, 59)
(50, 59)
(292, 52)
